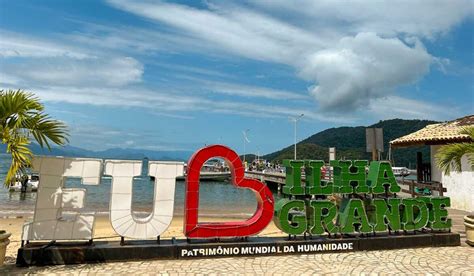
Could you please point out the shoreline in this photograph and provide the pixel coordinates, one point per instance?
(103, 230)
(105, 214)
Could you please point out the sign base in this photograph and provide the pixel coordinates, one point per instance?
(102, 251)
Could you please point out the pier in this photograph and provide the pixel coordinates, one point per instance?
(276, 179)
(210, 176)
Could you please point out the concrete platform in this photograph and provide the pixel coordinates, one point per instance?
(35, 254)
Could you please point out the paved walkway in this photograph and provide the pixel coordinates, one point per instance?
(442, 260)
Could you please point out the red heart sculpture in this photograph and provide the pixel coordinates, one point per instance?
(262, 216)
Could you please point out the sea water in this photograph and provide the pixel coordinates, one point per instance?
(215, 198)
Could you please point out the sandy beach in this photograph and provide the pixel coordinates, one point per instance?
(405, 261)
(104, 231)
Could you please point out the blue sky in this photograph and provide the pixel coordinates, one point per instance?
(176, 76)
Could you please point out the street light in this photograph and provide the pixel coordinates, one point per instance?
(295, 120)
(246, 140)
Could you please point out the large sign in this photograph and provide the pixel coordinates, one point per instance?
(368, 201)
(58, 212)
(361, 198)
(262, 216)
(121, 216)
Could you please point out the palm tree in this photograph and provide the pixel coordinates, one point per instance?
(22, 118)
(449, 157)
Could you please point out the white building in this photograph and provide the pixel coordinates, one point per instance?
(459, 185)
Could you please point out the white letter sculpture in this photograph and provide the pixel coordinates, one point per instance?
(57, 213)
(121, 216)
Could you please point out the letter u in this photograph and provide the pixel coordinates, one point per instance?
(121, 216)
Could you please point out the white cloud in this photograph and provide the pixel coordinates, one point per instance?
(356, 54)
(240, 31)
(352, 51)
(192, 70)
(245, 91)
(125, 38)
(363, 68)
(397, 107)
(9, 79)
(385, 17)
(100, 137)
(16, 45)
(43, 62)
(253, 91)
(163, 102)
(171, 115)
(97, 72)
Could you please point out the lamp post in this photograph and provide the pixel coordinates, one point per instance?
(295, 120)
(246, 140)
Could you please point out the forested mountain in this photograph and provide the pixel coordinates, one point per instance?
(350, 143)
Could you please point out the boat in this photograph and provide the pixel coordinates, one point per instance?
(212, 170)
(209, 176)
(31, 185)
(400, 171)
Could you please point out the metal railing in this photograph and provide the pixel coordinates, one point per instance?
(413, 186)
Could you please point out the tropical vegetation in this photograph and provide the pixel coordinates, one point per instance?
(22, 119)
(449, 157)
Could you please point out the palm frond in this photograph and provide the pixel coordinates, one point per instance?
(45, 129)
(22, 117)
(468, 131)
(16, 106)
(21, 158)
(449, 157)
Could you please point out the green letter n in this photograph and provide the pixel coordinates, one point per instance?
(387, 213)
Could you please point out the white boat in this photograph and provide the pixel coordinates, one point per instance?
(400, 171)
(31, 185)
(34, 181)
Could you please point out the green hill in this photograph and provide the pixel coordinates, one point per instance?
(350, 143)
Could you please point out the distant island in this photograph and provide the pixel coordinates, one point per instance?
(349, 143)
(113, 153)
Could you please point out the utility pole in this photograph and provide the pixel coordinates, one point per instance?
(374, 149)
(295, 120)
(246, 140)
(374, 142)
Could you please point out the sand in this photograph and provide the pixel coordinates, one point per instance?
(104, 231)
